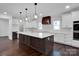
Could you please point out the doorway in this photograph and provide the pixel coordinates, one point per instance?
(4, 27)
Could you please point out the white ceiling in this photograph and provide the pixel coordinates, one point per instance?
(52, 9)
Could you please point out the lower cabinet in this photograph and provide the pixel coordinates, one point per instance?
(64, 38)
(43, 45)
(23, 39)
(38, 44)
(14, 35)
(59, 37)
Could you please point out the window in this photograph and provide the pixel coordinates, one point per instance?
(39, 26)
(56, 25)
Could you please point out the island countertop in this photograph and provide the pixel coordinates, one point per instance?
(42, 34)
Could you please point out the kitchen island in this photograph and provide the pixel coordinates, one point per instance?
(40, 41)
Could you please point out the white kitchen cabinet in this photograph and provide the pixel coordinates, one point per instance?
(67, 20)
(75, 15)
(15, 25)
(64, 38)
(75, 43)
(68, 38)
(59, 37)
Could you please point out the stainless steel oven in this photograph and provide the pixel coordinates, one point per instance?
(76, 30)
(76, 26)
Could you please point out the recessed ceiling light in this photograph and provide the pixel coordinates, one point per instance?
(4, 12)
(67, 7)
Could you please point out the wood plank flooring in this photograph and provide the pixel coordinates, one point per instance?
(11, 48)
(66, 50)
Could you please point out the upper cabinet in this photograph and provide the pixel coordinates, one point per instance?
(75, 15)
(15, 25)
(67, 20)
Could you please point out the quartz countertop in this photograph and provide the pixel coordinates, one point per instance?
(38, 34)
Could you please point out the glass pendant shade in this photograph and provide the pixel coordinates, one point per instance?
(35, 16)
(20, 17)
(20, 21)
(26, 18)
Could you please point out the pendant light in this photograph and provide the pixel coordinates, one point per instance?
(26, 19)
(20, 17)
(35, 15)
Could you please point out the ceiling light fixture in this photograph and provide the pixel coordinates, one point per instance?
(20, 17)
(67, 7)
(35, 15)
(26, 15)
(20, 21)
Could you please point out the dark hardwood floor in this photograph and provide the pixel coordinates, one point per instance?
(11, 48)
(66, 50)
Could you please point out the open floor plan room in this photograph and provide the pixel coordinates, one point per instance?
(11, 48)
(39, 29)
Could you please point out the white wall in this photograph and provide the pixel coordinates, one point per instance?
(9, 18)
(4, 27)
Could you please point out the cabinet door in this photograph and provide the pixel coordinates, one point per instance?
(49, 44)
(67, 20)
(59, 37)
(27, 40)
(20, 41)
(38, 44)
(75, 15)
(75, 43)
(68, 38)
(23, 39)
(20, 38)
